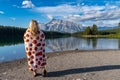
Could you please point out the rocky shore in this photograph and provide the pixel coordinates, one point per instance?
(68, 65)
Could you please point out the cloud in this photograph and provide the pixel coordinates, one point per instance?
(110, 23)
(58, 10)
(16, 6)
(12, 18)
(65, 10)
(106, 15)
(50, 16)
(27, 4)
(1, 12)
(84, 13)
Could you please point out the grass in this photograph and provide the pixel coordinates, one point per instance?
(112, 33)
(101, 36)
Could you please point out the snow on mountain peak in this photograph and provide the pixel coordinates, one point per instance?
(61, 26)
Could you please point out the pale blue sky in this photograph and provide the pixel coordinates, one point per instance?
(86, 12)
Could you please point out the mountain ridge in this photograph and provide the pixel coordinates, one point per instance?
(67, 26)
(61, 26)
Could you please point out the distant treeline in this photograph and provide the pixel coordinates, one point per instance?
(88, 31)
(53, 34)
(11, 31)
(16, 31)
(11, 35)
(93, 30)
(14, 35)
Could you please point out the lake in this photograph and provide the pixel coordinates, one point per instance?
(16, 50)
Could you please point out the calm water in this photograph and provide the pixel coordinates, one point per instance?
(17, 51)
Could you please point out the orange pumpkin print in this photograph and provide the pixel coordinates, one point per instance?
(31, 62)
(34, 41)
(27, 35)
(36, 59)
(27, 40)
(28, 59)
(39, 44)
(30, 49)
(40, 58)
(30, 45)
(30, 69)
(32, 57)
(36, 66)
(37, 38)
(29, 53)
(43, 44)
(26, 48)
(42, 35)
(35, 50)
(28, 30)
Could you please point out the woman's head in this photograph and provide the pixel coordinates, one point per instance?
(33, 26)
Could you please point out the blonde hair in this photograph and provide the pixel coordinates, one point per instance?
(33, 26)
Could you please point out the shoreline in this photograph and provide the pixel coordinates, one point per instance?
(50, 54)
(69, 65)
(62, 52)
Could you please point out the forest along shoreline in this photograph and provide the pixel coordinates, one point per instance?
(88, 32)
(69, 65)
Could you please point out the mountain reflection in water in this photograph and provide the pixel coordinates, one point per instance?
(73, 43)
(13, 48)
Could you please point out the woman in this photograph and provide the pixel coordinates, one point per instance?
(34, 40)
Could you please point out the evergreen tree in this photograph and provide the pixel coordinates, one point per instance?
(16, 31)
(94, 30)
(119, 24)
(87, 31)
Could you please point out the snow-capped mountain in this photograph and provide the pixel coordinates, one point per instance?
(61, 26)
(42, 26)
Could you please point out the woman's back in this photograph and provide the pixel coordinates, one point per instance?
(34, 41)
